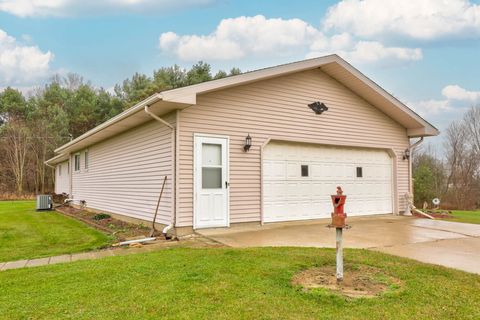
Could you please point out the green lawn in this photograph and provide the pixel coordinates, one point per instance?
(224, 283)
(466, 216)
(25, 233)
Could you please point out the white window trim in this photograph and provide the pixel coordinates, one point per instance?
(86, 160)
(75, 163)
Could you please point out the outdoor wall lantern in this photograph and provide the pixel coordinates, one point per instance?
(248, 143)
(318, 107)
(406, 154)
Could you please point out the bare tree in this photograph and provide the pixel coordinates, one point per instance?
(454, 147)
(462, 147)
(16, 145)
(472, 124)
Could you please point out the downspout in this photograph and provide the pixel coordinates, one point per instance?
(70, 176)
(412, 148)
(173, 141)
(54, 174)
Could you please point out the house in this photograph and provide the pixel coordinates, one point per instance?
(264, 146)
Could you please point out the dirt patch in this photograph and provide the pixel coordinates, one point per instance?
(358, 282)
(121, 230)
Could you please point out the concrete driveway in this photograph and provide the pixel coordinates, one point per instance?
(450, 244)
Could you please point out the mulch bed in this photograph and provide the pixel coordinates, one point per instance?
(358, 281)
(121, 230)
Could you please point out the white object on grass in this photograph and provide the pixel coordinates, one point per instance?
(134, 241)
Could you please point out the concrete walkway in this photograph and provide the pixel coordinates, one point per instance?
(450, 244)
(193, 242)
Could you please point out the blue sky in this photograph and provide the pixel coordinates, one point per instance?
(425, 52)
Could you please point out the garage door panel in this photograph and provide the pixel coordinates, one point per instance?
(303, 190)
(275, 190)
(378, 172)
(293, 170)
(275, 170)
(289, 196)
(319, 189)
(316, 170)
(298, 191)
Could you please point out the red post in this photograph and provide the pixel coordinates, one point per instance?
(338, 214)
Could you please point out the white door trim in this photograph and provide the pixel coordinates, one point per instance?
(197, 137)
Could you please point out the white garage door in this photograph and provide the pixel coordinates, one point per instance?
(298, 180)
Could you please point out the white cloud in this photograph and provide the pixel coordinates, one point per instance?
(456, 99)
(362, 52)
(258, 36)
(21, 64)
(431, 107)
(455, 92)
(238, 37)
(418, 19)
(30, 8)
(111, 90)
(27, 91)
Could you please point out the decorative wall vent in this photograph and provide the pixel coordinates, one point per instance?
(318, 107)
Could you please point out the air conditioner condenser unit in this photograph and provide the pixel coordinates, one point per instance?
(44, 202)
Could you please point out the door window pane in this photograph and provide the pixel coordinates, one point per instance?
(211, 154)
(211, 178)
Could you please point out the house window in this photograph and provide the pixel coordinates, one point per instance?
(86, 159)
(359, 172)
(304, 169)
(77, 162)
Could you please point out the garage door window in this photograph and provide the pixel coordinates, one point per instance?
(359, 172)
(304, 169)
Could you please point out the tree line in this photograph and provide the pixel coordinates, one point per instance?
(32, 125)
(453, 177)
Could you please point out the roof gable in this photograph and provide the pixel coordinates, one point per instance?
(332, 65)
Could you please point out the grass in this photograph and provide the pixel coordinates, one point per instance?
(466, 216)
(27, 234)
(224, 283)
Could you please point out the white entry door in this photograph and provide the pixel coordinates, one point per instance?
(211, 182)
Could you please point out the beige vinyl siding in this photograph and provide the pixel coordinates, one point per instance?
(125, 173)
(62, 181)
(277, 109)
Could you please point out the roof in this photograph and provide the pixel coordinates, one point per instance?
(180, 98)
